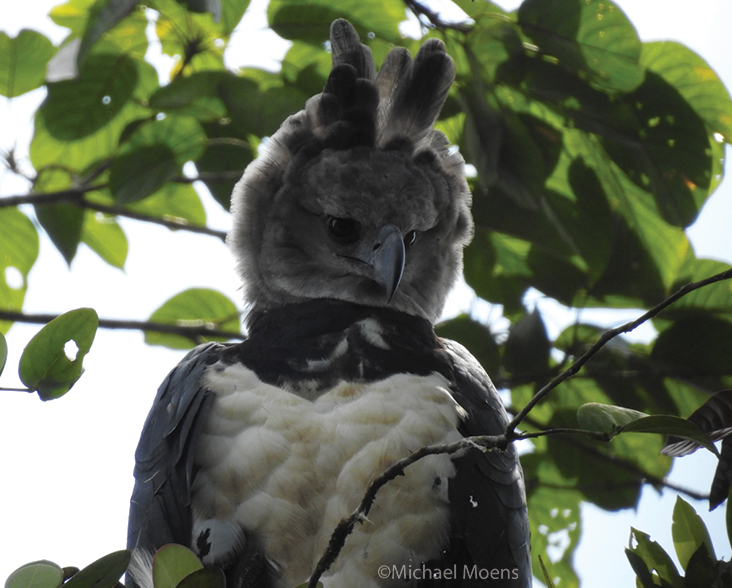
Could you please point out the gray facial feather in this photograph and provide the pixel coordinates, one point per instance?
(365, 149)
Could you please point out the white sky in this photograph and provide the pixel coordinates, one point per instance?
(66, 465)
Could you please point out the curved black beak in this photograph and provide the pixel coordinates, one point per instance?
(387, 259)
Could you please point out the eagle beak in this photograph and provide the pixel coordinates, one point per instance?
(387, 259)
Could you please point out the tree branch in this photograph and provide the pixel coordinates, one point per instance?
(224, 176)
(607, 336)
(195, 333)
(165, 222)
(76, 197)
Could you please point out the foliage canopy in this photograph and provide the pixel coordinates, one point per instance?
(591, 153)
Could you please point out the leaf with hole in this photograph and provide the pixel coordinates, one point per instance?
(49, 364)
(19, 246)
(655, 558)
(592, 38)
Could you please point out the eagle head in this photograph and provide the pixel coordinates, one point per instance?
(357, 197)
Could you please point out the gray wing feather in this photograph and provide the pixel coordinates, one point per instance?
(489, 498)
(160, 503)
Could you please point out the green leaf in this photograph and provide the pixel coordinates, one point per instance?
(555, 518)
(227, 152)
(697, 348)
(104, 15)
(591, 38)
(205, 578)
(78, 108)
(172, 564)
(137, 174)
(105, 237)
(3, 352)
(476, 337)
(526, 351)
(45, 366)
(194, 95)
(310, 22)
(182, 135)
(702, 569)
(614, 420)
(259, 108)
(103, 573)
(644, 576)
(715, 297)
(606, 418)
(199, 307)
(212, 6)
(665, 151)
(38, 574)
(655, 558)
(23, 61)
(173, 201)
(63, 223)
(670, 425)
(306, 66)
(689, 532)
(646, 249)
(48, 151)
(695, 80)
(194, 37)
(496, 267)
(18, 252)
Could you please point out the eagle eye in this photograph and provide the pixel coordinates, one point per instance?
(344, 230)
(410, 238)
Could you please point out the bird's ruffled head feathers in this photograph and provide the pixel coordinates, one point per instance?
(343, 183)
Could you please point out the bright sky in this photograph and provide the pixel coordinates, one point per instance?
(67, 464)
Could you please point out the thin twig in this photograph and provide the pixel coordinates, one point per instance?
(345, 527)
(193, 332)
(420, 9)
(165, 222)
(607, 336)
(76, 197)
(224, 176)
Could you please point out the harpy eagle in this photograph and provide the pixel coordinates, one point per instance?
(348, 232)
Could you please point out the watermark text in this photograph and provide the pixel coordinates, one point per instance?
(465, 572)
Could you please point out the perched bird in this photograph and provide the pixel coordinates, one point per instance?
(348, 233)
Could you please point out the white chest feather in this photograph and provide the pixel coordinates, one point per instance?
(287, 470)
